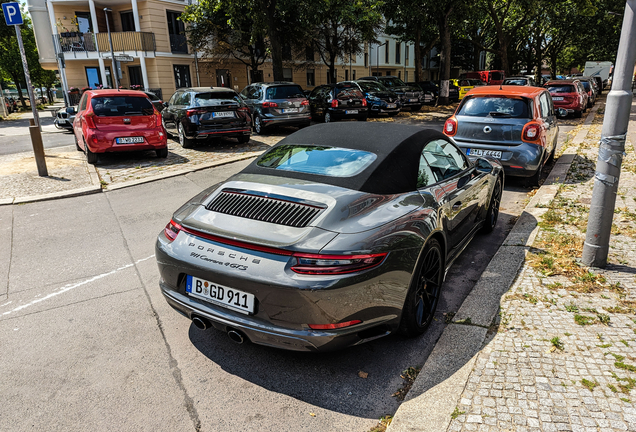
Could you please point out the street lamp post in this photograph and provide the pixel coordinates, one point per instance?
(612, 146)
(377, 58)
(112, 53)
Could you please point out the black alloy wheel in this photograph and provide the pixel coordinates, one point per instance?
(162, 153)
(533, 181)
(423, 296)
(91, 157)
(328, 118)
(492, 213)
(243, 139)
(163, 123)
(183, 140)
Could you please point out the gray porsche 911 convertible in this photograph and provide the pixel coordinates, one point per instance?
(338, 235)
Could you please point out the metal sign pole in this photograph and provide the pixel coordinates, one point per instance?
(27, 76)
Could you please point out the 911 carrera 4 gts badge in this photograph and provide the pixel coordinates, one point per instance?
(215, 255)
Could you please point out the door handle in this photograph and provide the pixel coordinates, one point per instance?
(457, 205)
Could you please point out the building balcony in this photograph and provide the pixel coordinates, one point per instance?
(85, 45)
(178, 44)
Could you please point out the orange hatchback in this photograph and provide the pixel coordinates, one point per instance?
(514, 124)
(114, 121)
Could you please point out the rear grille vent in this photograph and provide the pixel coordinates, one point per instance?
(265, 209)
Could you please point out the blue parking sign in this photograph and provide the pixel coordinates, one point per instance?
(12, 14)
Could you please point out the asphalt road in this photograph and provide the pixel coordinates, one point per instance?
(88, 341)
(15, 137)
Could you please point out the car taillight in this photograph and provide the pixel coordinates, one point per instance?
(364, 102)
(531, 132)
(172, 230)
(270, 105)
(305, 103)
(317, 264)
(450, 127)
(333, 326)
(244, 109)
(158, 119)
(90, 121)
(193, 112)
(334, 103)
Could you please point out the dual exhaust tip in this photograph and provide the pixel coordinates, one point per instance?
(234, 335)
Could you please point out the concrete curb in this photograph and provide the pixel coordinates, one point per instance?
(96, 185)
(436, 391)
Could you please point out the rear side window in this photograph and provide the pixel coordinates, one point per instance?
(326, 161)
(514, 82)
(443, 159)
(110, 106)
(209, 99)
(561, 89)
(496, 106)
(348, 93)
(586, 85)
(496, 76)
(284, 92)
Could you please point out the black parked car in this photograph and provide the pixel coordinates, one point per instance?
(332, 102)
(410, 97)
(156, 101)
(277, 103)
(380, 100)
(201, 112)
(428, 88)
(65, 117)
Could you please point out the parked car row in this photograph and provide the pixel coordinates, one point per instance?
(10, 104)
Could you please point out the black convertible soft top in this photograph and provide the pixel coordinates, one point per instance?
(398, 149)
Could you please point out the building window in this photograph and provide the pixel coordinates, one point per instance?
(386, 53)
(346, 75)
(311, 77)
(93, 77)
(176, 31)
(134, 76)
(406, 52)
(354, 75)
(287, 52)
(287, 74)
(406, 75)
(399, 74)
(182, 76)
(127, 21)
(366, 59)
(309, 53)
(398, 48)
(84, 22)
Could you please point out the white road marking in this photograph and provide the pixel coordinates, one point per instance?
(73, 286)
(6, 303)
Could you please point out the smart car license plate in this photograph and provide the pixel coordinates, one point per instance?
(290, 110)
(221, 295)
(129, 140)
(62, 121)
(390, 105)
(223, 114)
(557, 98)
(480, 152)
(351, 112)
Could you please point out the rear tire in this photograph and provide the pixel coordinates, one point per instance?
(258, 125)
(243, 139)
(416, 108)
(77, 147)
(91, 157)
(578, 114)
(423, 295)
(162, 153)
(185, 142)
(534, 180)
(492, 214)
(163, 123)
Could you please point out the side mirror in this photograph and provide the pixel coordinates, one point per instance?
(70, 110)
(561, 112)
(165, 104)
(483, 165)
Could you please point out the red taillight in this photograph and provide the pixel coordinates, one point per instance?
(193, 112)
(333, 326)
(305, 103)
(243, 109)
(364, 102)
(158, 122)
(318, 264)
(334, 103)
(531, 133)
(270, 105)
(172, 230)
(90, 121)
(450, 127)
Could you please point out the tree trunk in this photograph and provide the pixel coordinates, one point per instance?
(19, 88)
(332, 69)
(553, 63)
(274, 40)
(418, 54)
(445, 60)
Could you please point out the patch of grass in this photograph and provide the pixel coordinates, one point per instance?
(457, 413)
(554, 286)
(584, 320)
(625, 400)
(590, 310)
(408, 376)
(567, 334)
(624, 342)
(604, 345)
(628, 367)
(571, 307)
(603, 318)
(550, 219)
(612, 388)
(589, 384)
(557, 343)
(532, 299)
(618, 357)
(383, 423)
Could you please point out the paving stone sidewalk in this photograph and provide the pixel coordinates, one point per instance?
(562, 353)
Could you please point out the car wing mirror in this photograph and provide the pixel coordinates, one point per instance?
(70, 110)
(561, 112)
(483, 165)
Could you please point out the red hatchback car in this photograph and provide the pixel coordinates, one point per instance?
(569, 95)
(114, 121)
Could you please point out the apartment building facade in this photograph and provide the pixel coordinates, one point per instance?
(150, 46)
